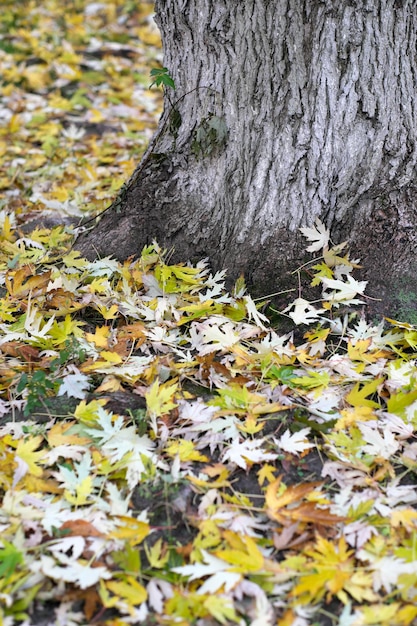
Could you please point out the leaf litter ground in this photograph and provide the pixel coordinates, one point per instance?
(166, 455)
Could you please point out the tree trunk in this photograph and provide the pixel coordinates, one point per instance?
(284, 111)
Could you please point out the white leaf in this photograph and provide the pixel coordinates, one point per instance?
(218, 337)
(103, 267)
(304, 312)
(116, 440)
(158, 590)
(83, 576)
(253, 313)
(343, 291)
(75, 385)
(296, 442)
(247, 450)
(319, 235)
(215, 568)
(75, 545)
(378, 445)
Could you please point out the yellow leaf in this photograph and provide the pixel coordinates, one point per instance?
(353, 415)
(95, 116)
(251, 425)
(332, 566)
(87, 413)
(149, 36)
(159, 398)
(217, 471)
(185, 450)
(74, 259)
(359, 351)
(404, 517)
(157, 555)
(266, 473)
(100, 338)
(111, 357)
(358, 396)
(379, 614)
(82, 492)
(108, 359)
(108, 313)
(406, 614)
(247, 559)
(221, 608)
(25, 450)
(61, 331)
(60, 193)
(58, 435)
(132, 530)
(110, 383)
(128, 590)
(14, 124)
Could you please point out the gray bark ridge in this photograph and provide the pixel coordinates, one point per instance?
(315, 103)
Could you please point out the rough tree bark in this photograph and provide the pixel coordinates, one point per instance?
(286, 110)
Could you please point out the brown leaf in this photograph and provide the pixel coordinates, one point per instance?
(80, 528)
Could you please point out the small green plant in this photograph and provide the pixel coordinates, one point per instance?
(38, 386)
(161, 76)
(72, 351)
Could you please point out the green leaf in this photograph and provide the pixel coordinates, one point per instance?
(10, 558)
(161, 76)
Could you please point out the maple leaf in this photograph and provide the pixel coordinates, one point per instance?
(318, 234)
(247, 451)
(160, 399)
(217, 335)
(343, 291)
(80, 573)
(117, 440)
(303, 313)
(294, 443)
(74, 385)
(333, 567)
(28, 459)
(218, 571)
(378, 445)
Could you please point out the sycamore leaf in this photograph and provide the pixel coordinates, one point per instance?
(247, 452)
(157, 554)
(245, 556)
(218, 570)
(131, 529)
(28, 459)
(100, 337)
(318, 234)
(303, 312)
(74, 385)
(220, 608)
(254, 314)
(358, 396)
(343, 291)
(117, 440)
(385, 445)
(128, 590)
(160, 397)
(296, 442)
(80, 573)
(332, 567)
(218, 336)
